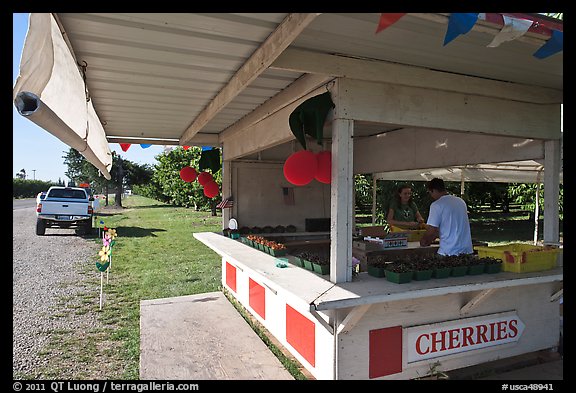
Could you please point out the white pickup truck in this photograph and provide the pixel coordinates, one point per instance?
(65, 207)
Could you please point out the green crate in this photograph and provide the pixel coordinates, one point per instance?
(421, 275)
(376, 271)
(321, 269)
(399, 278)
(441, 272)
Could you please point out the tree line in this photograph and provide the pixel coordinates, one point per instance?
(162, 182)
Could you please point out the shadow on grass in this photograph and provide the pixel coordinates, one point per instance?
(137, 231)
(100, 214)
(151, 207)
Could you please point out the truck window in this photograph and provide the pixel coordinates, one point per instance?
(70, 194)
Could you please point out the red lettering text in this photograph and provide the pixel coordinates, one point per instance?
(513, 328)
(453, 337)
(418, 344)
(501, 333)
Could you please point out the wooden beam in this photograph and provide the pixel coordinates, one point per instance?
(200, 139)
(381, 71)
(269, 132)
(556, 295)
(269, 50)
(320, 319)
(476, 300)
(352, 318)
(298, 89)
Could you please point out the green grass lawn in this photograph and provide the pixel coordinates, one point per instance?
(156, 256)
(497, 228)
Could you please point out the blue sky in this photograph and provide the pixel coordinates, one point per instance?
(35, 149)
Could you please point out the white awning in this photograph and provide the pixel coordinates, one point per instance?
(50, 92)
(505, 172)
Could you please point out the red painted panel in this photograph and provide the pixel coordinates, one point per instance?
(257, 298)
(385, 352)
(301, 334)
(231, 276)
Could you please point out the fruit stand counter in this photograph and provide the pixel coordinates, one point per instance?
(371, 328)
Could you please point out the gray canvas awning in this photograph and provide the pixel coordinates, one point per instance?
(505, 172)
(50, 91)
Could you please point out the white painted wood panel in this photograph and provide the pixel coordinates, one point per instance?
(530, 302)
(418, 107)
(341, 201)
(302, 283)
(365, 289)
(432, 148)
(259, 201)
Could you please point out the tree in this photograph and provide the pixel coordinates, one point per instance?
(21, 174)
(176, 191)
(123, 173)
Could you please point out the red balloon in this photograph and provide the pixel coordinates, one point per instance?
(300, 167)
(324, 170)
(211, 189)
(204, 177)
(125, 146)
(188, 174)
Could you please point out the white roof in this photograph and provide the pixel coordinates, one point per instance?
(185, 78)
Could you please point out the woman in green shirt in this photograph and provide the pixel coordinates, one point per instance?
(403, 211)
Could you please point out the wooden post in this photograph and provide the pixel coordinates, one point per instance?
(341, 201)
(374, 189)
(537, 207)
(101, 288)
(551, 191)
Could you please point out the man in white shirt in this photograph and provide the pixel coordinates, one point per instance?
(447, 220)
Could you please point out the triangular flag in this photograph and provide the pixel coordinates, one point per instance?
(459, 24)
(387, 20)
(124, 146)
(553, 45)
(186, 147)
(513, 28)
(204, 148)
(145, 145)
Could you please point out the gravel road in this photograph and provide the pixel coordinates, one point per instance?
(49, 276)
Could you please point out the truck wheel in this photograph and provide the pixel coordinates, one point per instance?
(40, 227)
(85, 229)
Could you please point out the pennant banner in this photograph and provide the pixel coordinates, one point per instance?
(145, 145)
(554, 45)
(459, 24)
(513, 29)
(387, 20)
(124, 146)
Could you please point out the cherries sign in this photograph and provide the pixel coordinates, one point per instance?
(304, 166)
(204, 177)
(211, 189)
(189, 174)
(300, 167)
(324, 170)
